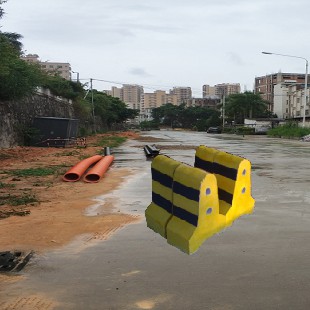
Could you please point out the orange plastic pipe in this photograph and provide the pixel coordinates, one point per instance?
(76, 172)
(95, 173)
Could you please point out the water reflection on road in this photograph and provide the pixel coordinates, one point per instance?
(261, 262)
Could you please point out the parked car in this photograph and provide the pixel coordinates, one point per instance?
(214, 130)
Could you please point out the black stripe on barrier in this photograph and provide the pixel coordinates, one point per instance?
(187, 192)
(162, 178)
(203, 164)
(225, 196)
(162, 202)
(227, 172)
(216, 168)
(185, 215)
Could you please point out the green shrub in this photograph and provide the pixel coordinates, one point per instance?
(290, 130)
(34, 172)
(245, 131)
(110, 141)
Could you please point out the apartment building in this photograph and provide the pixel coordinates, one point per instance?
(289, 101)
(153, 100)
(207, 91)
(226, 89)
(61, 68)
(211, 102)
(219, 90)
(264, 85)
(182, 93)
(116, 92)
(131, 94)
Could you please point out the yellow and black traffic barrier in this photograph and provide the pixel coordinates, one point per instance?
(195, 213)
(190, 204)
(233, 174)
(159, 211)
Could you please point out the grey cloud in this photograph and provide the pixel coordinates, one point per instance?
(139, 72)
(236, 59)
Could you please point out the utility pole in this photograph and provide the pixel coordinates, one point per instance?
(223, 110)
(77, 76)
(92, 103)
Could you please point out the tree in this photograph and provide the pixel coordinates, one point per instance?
(245, 105)
(168, 114)
(1, 9)
(17, 77)
(192, 117)
(62, 87)
(111, 110)
(14, 39)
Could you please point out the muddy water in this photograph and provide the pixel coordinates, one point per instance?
(261, 262)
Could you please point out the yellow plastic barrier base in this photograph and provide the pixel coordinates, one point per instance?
(159, 212)
(194, 221)
(157, 219)
(233, 174)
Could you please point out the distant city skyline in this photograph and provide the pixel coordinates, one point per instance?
(164, 44)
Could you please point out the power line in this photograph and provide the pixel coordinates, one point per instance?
(146, 86)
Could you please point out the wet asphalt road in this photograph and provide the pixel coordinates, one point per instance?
(261, 262)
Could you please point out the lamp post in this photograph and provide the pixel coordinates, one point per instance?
(306, 81)
(223, 111)
(77, 76)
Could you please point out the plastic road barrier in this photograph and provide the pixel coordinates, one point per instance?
(233, 174)
(96, 173)
(76, 172)
(195, 209)
(190, 204)
(159, 212)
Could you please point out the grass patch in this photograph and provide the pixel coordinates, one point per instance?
(289, 131)
(112, 141)
(36, 172)
(5, 185)
(18, 200)
(5, 156)
(68, 153)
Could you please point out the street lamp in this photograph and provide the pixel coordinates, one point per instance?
(77, 76)
(306, 81)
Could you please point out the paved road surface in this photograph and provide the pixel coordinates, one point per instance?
(261, 262)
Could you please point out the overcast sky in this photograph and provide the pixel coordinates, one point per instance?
(165, 43)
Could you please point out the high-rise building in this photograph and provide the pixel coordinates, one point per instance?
(153, 100)
(288, 102)
(226, 89)
(157, 99)
(264, 85)
(211, 102)
(131, 95)
(182, 93)
(207, 91)
(62, 69)
(116, 92)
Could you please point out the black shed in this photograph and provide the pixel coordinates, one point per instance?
(55, 131)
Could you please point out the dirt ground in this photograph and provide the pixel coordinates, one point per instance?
(55, 217)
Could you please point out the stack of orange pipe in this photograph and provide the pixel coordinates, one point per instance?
(76, 172)
(96, 173)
